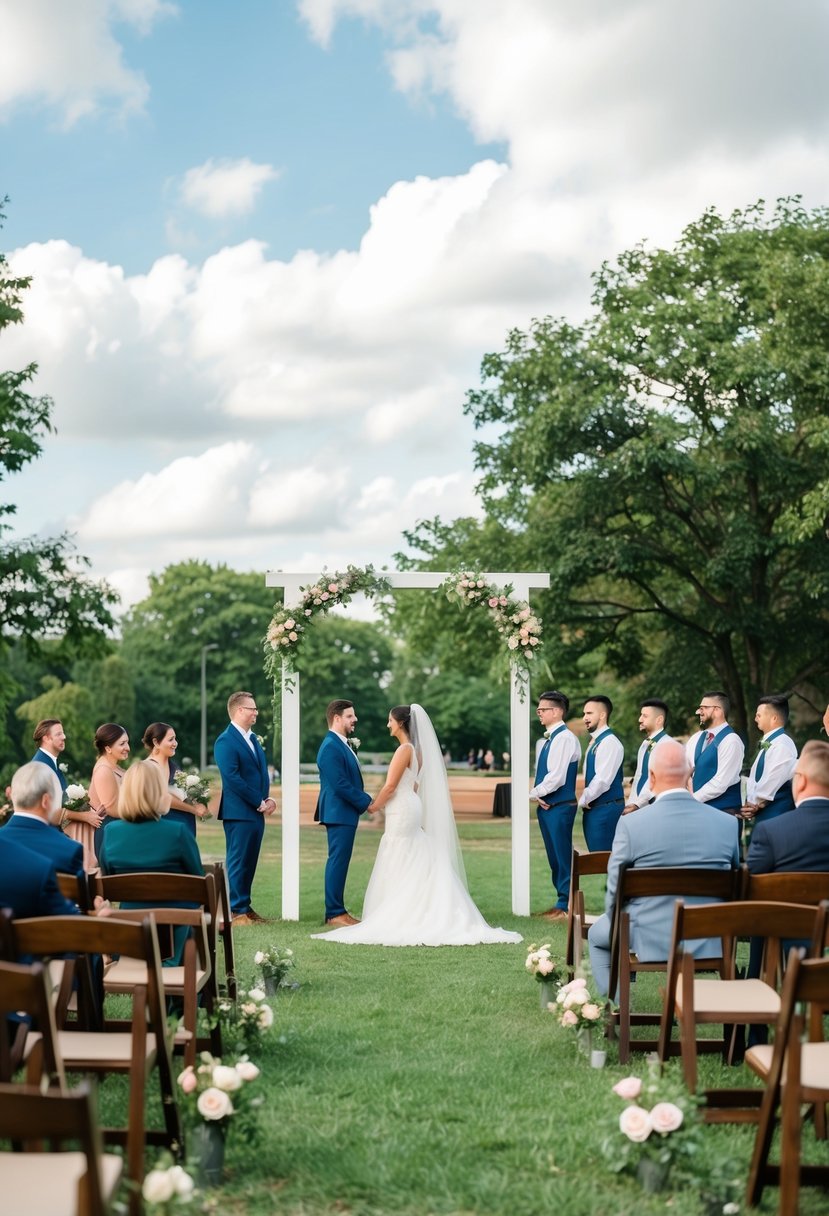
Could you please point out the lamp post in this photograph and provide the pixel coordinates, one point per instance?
(203, 750)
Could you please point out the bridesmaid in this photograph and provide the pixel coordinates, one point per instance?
(113, 747)
(161, 743)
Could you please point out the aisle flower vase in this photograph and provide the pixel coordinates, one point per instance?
(270, 985)
(207, 1153)
(546, 995)
(652, 1175)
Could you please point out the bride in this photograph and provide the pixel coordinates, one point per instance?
(417, 893)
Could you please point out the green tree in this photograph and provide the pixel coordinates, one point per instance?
(191, 605)
(666, 461)
(74, 706)
(44, 591)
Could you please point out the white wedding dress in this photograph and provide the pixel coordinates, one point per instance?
(415, 896)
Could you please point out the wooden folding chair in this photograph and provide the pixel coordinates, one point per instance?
(787, 887)
(578, 921)
(729, 1001)
(651, 882)
(38, 1183)
(26, 989)
(795, 1072)
(137, 1053)
(224, 917)
(77, 888)
(195, 978)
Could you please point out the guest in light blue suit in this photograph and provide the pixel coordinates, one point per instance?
(342, 801)
(674, 830)
(51, 740)
(244, 802)
(37, 798)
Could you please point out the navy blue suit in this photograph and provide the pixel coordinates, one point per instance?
(798, 840)
(341, 803)
(66, 855)
(28, 884)
(43, 757)
(245, 784)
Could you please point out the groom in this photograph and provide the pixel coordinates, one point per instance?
(341, 803)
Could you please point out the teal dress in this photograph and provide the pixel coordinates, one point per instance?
(153, 846)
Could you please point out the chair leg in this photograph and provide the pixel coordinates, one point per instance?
(758, 1169)
(790, 1149)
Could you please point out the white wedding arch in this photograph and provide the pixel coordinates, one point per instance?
(522, 584)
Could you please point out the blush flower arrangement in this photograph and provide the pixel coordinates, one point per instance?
(515, 621)
(245, 1022)
(215, 1092)
(291, 622)
(541, 966)
(167, 1188)
(275, 963)
(577, 1010)
(660, 1138)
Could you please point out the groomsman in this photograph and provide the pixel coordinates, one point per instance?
(603, 797)
(653, 715)
(715, 754)
(769, 786)
(244, 802)
(555, 792)
(51, 740)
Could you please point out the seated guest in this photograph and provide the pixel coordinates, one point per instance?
(769, 785)
(142, 840)
(28, 882)
(798, 840)
(37, 797)
(674, 830)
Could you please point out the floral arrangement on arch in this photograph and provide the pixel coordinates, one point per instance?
(515, 621)
(541, 966)
(660, 1137)
(290, 623)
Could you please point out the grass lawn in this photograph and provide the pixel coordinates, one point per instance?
(425, 1080)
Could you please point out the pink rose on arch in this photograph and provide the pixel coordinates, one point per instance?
(568, 1018)
(635, 1123)
(630, 1088)
(493, 602)
(666, 1118)
(333, 588)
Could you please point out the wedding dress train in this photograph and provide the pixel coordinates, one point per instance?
(415, 896)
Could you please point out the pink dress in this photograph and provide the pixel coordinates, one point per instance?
(84, 833)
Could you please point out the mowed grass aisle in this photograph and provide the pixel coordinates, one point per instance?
(426, 1080)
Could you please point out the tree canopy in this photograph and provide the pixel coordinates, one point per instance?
(666, 461)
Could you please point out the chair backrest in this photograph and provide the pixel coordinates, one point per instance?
(219, 872)
(26, 1114)
(76, 887)
(749, 918)
(806, 887)
(25, 989)
(588, 863)
(162, 890)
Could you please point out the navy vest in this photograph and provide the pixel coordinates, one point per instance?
(565, 792)
(616, 793)
(783, 800)
(640, 784)
(705, 766)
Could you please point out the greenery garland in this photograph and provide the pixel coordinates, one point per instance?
(516, 622)
(513, 618)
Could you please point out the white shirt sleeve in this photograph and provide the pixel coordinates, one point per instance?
(563, 750)
(729, 762)
(781, 759)
(609, 755)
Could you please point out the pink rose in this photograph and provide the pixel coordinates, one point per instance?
(629, 1089)
(545, 966)
(666, 1118)
(591, 1012)
(635, 1123)
(188, 1081)
(289, 624)
(214, 1104)
(493, 602)
(568, 1018)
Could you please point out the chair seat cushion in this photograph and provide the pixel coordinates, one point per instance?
(46, 1184)
(81, 1048)
(814, 1066)
(127, 973)
(736, 1000)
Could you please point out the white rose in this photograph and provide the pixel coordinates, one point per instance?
(247, 1070)
(158, 1186)
(635, 1123)
(259, 958)
(265, 1018)
(75, 791)
(192, 780)
(256, 994)
(182, 1181)
(666, 1118)
(226, 1078)
(214, 1104)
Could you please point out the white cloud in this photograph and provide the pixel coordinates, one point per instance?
(306, 499)
(220, 188)
(66, 54)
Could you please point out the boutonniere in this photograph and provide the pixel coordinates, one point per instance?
(354, 744)
(64, 768)
(260, 739)
(547, 734)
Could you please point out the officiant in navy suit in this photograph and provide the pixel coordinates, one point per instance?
(51, 740)
(244, 802)
(342, 801)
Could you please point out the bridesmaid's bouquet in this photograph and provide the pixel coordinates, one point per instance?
(192, 787)
(75, 798)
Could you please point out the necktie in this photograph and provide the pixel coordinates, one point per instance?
(709, 738)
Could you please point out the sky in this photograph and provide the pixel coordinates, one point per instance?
(272, 240)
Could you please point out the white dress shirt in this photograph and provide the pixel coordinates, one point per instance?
(646, 794)
(246, 735)
(781, 758)
(730, 755)
(561, 753)
(608, 759)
